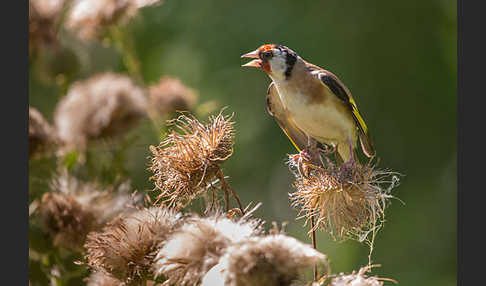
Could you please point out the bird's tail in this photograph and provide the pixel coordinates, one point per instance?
(366, 144)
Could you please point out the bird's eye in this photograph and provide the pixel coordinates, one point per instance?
(266, 56)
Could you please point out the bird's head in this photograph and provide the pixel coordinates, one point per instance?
(276, 60)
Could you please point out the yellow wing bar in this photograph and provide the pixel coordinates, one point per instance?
(358, 116)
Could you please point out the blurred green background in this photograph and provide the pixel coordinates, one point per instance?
(398, 58)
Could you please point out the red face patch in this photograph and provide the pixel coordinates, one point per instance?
(267, 48)
(266, 67)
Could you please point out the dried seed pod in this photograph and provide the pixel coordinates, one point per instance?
(126, 246)
(357, 278)
(44, 17)
(102, 279)
(104, 105)
(146, 3)
(270, 260)
(187, 163)
(88, 17)
(41, 134)
(198, 245)
(348, 200)
(169, 95)
(73, 208)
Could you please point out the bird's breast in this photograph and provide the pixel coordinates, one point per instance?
(326, 120)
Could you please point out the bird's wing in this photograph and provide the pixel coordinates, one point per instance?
(342, 92)
(283, 118)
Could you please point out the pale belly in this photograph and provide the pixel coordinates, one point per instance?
(321, 122)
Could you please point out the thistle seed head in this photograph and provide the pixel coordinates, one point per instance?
(187, 162)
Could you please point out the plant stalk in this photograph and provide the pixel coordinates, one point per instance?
(314, 244)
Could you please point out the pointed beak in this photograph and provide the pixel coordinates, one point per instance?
(252, 55)
(257, 63)
(254, 63)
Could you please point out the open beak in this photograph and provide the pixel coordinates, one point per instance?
(257, 63)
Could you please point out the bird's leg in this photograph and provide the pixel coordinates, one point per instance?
(351, 164)
(313, 151)
(351, 159)
(327, 149)
(339, 159)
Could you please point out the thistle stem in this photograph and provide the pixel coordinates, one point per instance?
(313, 237)
(227, 191)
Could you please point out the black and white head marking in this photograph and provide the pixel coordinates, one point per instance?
(290, 59)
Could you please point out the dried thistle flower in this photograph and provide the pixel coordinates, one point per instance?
(347, 200)
(41, 134)
(169, 95)
(126, 246)
(271, 260)
(87, 17)
(198, 245)
(47, 8)
(357, 279)
(186, 164)
(146, 3)
(66, 220)
(102, 106)
(72, 209)
(102, 279)
(44, 18)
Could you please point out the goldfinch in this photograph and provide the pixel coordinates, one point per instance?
(310, 104)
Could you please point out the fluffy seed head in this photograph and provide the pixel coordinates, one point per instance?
(44, 16)
(126, 246)
(270, 260)
(72, 209)
(101, 106)
(41, 134)
(87, 17)
(348, 200)
(356, 278)
(102, 279)
(146, 3)
(198, 245)
(169, 95)
(186, 163)
(66, 220)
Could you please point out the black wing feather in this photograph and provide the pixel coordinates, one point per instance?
(333, 83)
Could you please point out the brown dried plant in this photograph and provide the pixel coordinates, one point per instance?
(88, 17)
(187, 163)
(197, 246)
(66, 220)
(358, 278)
(275, 259)
(44, 21)
(169, 95)
(102, 279)
(102, 106)
(41, 134)
(346, 200)
(127, 245)
(73, 208)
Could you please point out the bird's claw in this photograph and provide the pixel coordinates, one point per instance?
(301, 161)
(302, 156)
(328, 149)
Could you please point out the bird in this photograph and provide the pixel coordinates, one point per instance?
(311, 105)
